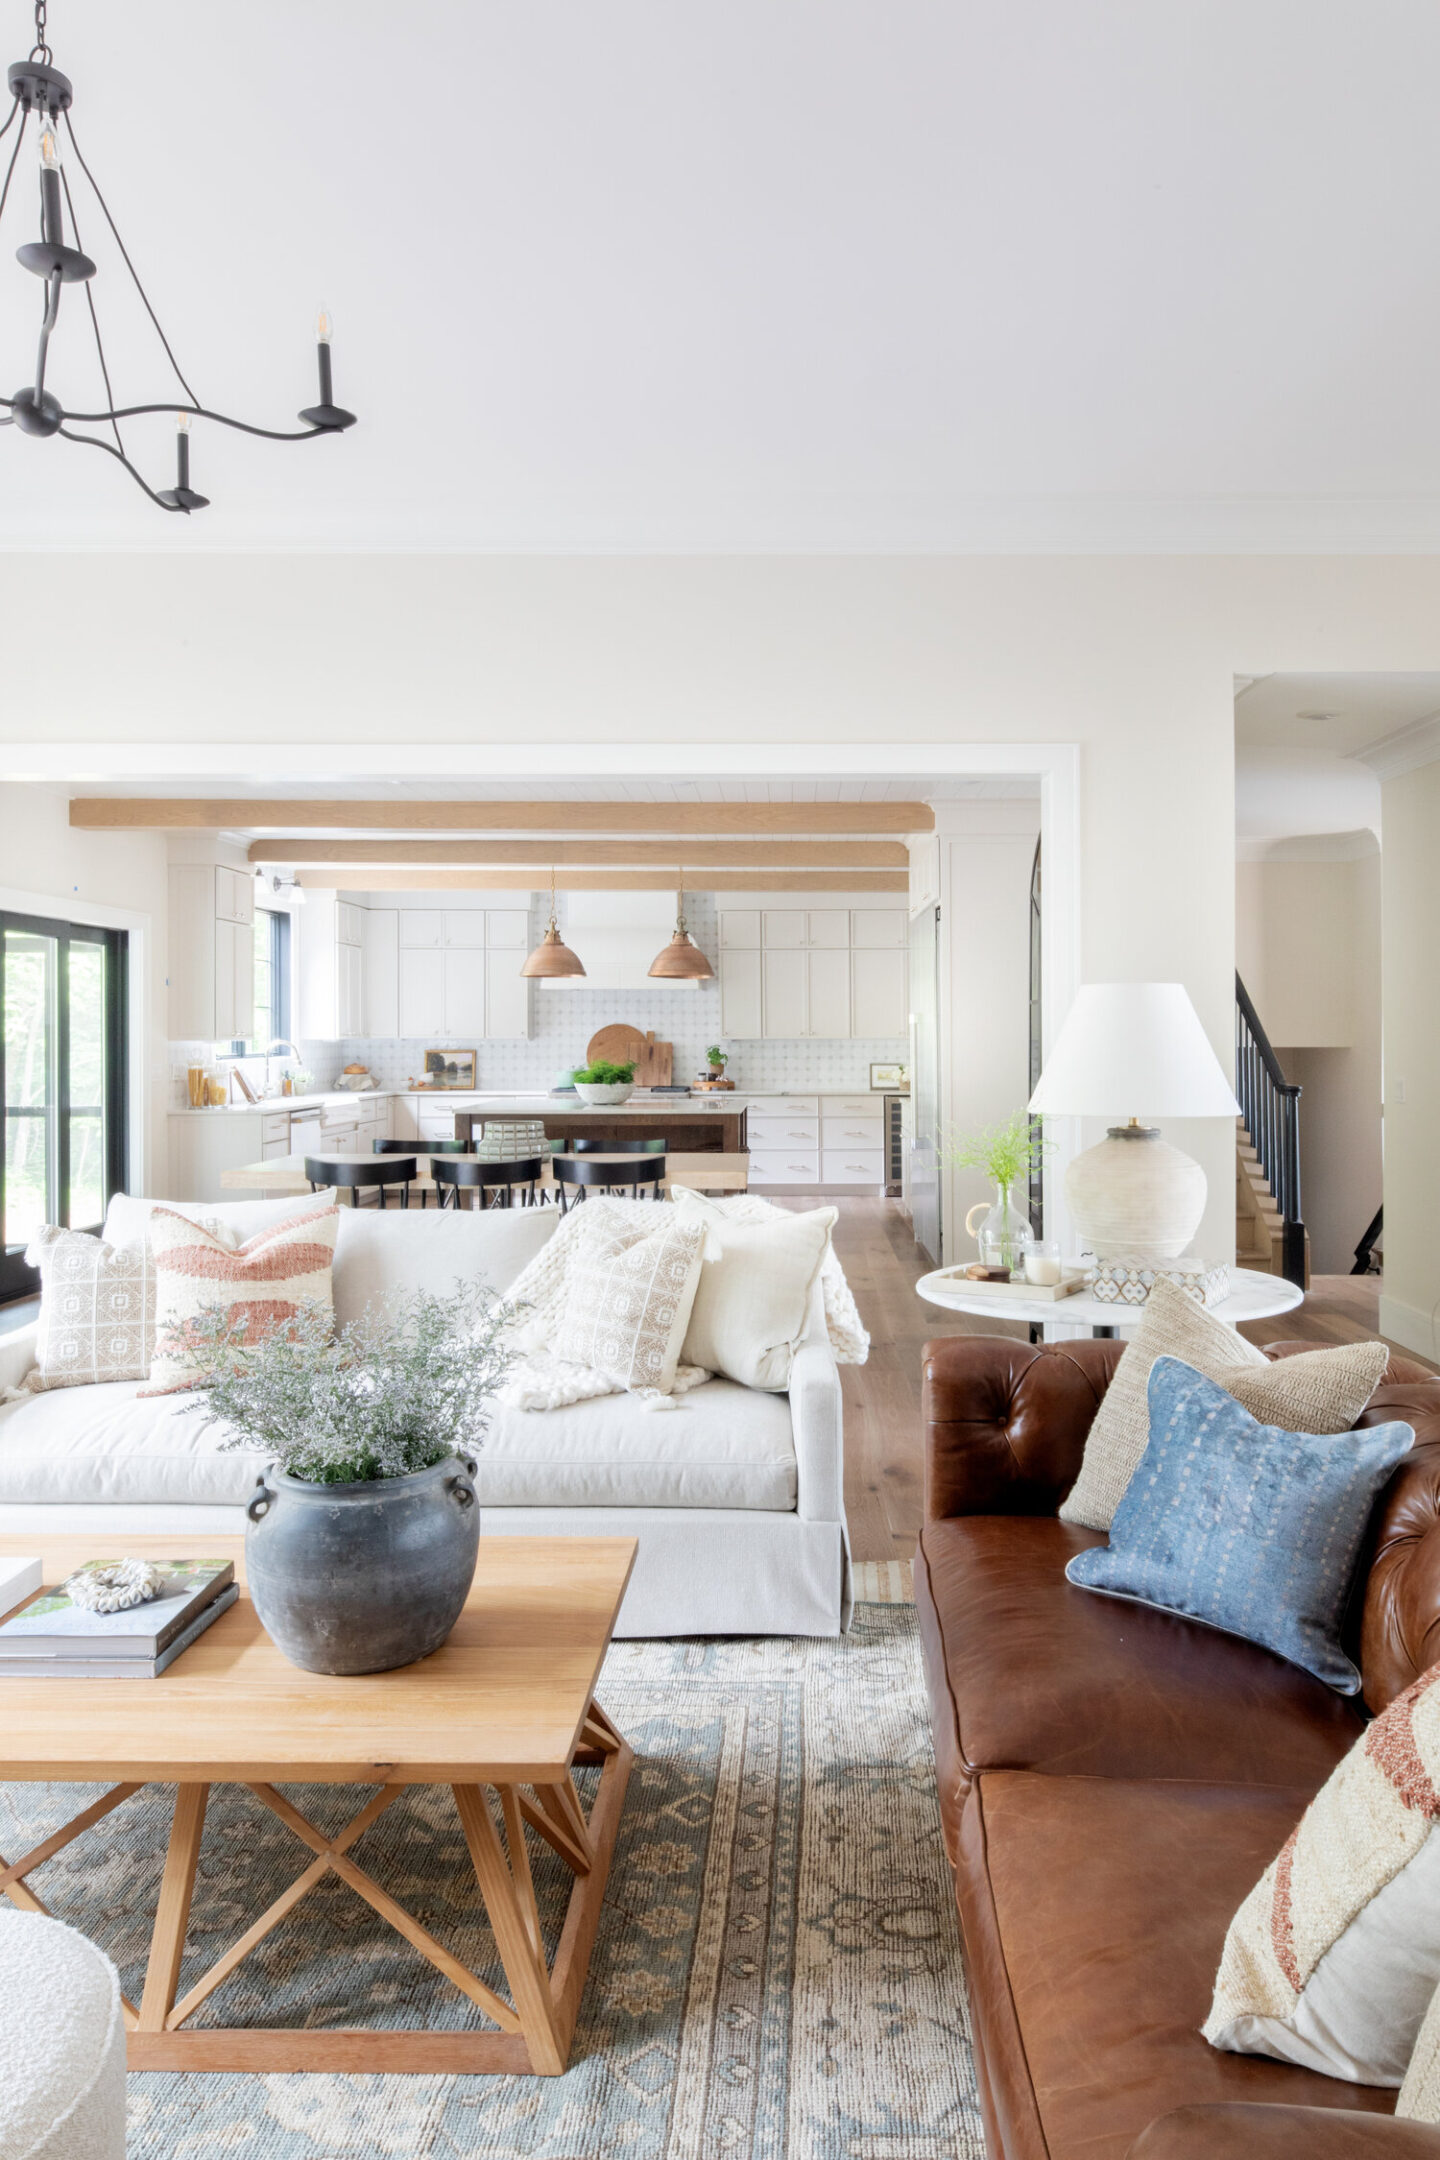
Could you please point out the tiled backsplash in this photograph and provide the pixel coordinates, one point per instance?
(563, 1022)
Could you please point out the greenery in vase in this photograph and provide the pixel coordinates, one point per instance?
(393, 1392)
(603, 1074)
(1008, 1153)
(717, 1057)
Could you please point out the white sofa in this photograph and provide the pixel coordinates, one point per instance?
(736, 1496)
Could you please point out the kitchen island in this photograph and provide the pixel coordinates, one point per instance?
(687, 1124)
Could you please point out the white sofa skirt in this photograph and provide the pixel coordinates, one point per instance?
(697, 1571)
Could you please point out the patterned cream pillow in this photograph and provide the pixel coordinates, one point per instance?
(1334, 1958)
(97, 1310)
(265, 1281)
(628, 1300)
(1320, 1391)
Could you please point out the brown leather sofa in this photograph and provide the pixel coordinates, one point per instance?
(1114, 1779)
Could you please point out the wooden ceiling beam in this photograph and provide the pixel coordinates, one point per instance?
(363, 880)
(117, 813)
(538, 855)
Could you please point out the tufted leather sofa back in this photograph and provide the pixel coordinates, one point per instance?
(1005, 1429)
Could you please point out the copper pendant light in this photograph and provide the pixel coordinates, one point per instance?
(682, 959)
(552, 956)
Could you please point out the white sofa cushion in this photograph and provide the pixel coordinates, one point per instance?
(387, 1253)
(719, 1446)
(94, 1444)
(62, 2044)
(628, 1299)
(753, 1298)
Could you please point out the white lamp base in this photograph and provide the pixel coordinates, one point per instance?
(1134, 1193)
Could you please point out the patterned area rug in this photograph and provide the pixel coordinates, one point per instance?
(776, 1977)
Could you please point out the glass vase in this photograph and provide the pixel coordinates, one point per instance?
(1004, 1233)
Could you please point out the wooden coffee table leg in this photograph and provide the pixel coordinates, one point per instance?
(167, 1941)
(504, 1885)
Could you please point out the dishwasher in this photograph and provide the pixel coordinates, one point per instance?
(305, 1132)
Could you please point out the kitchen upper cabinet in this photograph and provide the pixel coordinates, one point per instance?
(465, 927)
(464, 992)
(421, 926)
(349, 923)
(508, 929)
(422, 992)
(381, 972)
(880, 1003)
(211, 952)
(741, 1004)
(507, 994)
(329, 968)
(813, 972)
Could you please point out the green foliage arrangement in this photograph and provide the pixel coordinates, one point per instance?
(716, 1056)
(392, 1393)
(603, 1074)
(1007, 1153)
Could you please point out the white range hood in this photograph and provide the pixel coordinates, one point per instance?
(617, 935)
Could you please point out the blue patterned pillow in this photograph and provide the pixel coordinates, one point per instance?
(1245, 1526)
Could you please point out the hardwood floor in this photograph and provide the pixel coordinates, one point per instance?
(883, 1468)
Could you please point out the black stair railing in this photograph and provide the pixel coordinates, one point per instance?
(1270, 1106)
(1365, 1250)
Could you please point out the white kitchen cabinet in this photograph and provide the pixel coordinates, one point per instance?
(421, 926)
(789, 1166)
(329, 975)
(827, 988)
(349, 990)
(507, 994)
(464, 927)
(806, 993)
(852, 1132)
(880, 993)
(783, 926)
(850, 1107)
(404, 1117)
(769, 1131)
(380, 972)
(507, 929)
(739, 929)
(882, 926)
(211, 952)
(783, 979)
(783, 1106)
(465, 991)
(422, 990)
(741, 1005)
(827, 926)
(852, 1166)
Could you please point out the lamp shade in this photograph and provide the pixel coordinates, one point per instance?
(1133, 1050)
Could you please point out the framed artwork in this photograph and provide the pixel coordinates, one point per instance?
(450, 1068)
(890, 1079)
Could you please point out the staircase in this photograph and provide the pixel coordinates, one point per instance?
(1269, 1228)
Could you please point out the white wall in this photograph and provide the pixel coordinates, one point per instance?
(117, 879)
(268, 666)
(1410, 917)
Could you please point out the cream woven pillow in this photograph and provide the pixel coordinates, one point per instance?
(1320, 1391)
(627, 1302)
(1334, 1958)
(753, 1300)
(1420, 2094)
(97, 1310)
(264, 1281)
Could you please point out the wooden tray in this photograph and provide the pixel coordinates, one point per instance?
(1031, 1293)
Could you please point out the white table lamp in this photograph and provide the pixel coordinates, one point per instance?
(1137, 1049)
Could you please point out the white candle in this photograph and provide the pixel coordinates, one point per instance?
(1041, 1269)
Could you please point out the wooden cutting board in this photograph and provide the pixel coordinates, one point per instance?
(622, 1045)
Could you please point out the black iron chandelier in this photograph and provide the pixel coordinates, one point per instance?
(39, 89)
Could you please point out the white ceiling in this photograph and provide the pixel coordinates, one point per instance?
(827, 275)
(1299, 745)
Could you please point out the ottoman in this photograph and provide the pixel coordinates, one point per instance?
(62, 2044)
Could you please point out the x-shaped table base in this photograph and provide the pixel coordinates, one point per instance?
(532, 2032)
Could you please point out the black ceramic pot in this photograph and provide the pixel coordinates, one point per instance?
(361, 1578)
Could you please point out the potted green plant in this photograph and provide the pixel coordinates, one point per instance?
(604, 1083)
(1008, 1154)
(363, 1531)
(716, 1060)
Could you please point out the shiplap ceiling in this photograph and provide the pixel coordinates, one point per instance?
(1057, 275)
(912, 787)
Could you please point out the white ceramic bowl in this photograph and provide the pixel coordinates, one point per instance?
(604, 1097)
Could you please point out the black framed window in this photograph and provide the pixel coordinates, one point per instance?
(272, 976)
(63, 1124)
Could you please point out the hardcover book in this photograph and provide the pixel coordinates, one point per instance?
(52, 1626)
(83, 1666)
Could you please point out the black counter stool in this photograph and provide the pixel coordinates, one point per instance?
(426, 1147)
(356, 1176)
(575, 1171)
(499, 1180)
(616, 1147)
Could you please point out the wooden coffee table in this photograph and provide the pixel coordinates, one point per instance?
(508, 1703)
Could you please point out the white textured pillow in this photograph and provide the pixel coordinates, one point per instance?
(127, 1219)
(97, 1310)
(628, 1300)
(754, 1293)
(1419, 2099)
(1320, 1391)
(1334, 1957)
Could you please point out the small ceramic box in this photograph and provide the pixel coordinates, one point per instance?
(1128, 1280)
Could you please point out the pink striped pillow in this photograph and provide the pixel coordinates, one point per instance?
(265, 1281)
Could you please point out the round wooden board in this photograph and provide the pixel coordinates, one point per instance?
(616, 1045)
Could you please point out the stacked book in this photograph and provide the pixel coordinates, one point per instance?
(51, 1637)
